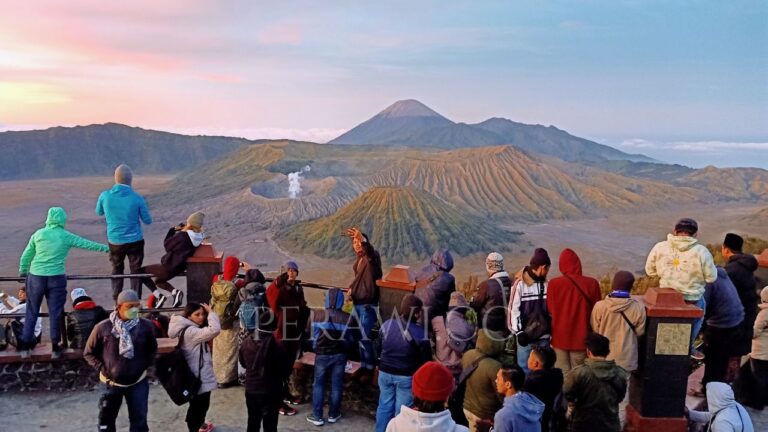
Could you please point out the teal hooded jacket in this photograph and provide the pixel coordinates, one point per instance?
(47, 250)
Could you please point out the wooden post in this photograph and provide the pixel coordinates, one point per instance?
(201, 268)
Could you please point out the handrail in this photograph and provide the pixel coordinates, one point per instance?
(46, 314)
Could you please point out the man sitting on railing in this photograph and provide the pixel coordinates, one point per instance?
(83, 318)
(18, 305)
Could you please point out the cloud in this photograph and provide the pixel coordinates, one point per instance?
(697, 146)
(318, 135)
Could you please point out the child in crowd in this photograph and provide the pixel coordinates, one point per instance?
(83, 318)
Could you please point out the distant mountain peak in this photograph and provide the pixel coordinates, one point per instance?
(408, 108)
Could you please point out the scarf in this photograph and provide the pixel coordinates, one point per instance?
(121, 330)
(619, 294)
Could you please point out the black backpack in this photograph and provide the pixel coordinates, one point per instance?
(13, 330)
(174, 374)
(3, 339)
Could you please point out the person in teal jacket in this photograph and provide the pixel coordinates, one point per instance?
(43, 265)
(124, 210)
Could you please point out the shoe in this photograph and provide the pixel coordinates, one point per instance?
(287, 411)
(293, 400)
(332, 419)
(159, 300)
(227, 385)
(697, 355)
(178, 296)
(314, 420)
(25, 354)
(206, 427)
(55, 352)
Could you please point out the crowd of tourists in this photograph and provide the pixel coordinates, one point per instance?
(526, 351)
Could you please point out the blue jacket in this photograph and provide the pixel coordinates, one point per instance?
(404, 348)
(724, 309)
(333, 330)
(124, 210)
(520, 412)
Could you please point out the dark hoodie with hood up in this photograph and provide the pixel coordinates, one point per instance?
(596, 388)
(333, 330)
(434, 284)
(741, 270)
(570, 299)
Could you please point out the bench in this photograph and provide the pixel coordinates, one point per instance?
(42, 352)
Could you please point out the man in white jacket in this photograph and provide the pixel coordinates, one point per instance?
(432, 386)
(685, 265)
(18, 305)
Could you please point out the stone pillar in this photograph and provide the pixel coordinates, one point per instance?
(658, 389)
(392, 288)
(201, 268)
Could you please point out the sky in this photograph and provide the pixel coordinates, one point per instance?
(681, 81)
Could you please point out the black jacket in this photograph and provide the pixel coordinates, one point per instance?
(741, 270)
(545, 384)
(80, 324)
(102, 352)
(367, 270)
(178, 247)
(490, 303)
(266, 364)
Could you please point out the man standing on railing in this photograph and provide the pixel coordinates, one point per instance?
(124, 210)
(365, 293)
(43, 265)
(121, 349)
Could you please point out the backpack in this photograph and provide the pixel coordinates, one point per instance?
(13, 330)
(456, 401)
(256, 299)
(174, 374)
(222, 299)
(3, 338)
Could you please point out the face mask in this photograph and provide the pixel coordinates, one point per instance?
(132, 313)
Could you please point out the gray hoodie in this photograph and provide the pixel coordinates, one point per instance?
(726, 414)
(196, 338)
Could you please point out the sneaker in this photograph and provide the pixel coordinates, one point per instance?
(287, 411)
(206, 427)
(178, 296)
(334, 419)
(697, 355)
(55, 352)
(314, 420)
(25, 354)
(293, 400)
(159, 300)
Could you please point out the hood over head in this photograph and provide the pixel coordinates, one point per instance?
(490, 343)
(719, 396)
(443, 259)
(681, 243)
(57, 217)
(570, 264)
(231, 266)
(334, 299)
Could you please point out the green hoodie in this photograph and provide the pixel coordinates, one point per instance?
(480, 397)
(48, 247)
(596, 387)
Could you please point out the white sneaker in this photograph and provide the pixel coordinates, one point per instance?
(159, 300)
(178, 296)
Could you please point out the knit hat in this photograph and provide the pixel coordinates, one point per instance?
(540, 258)
(196, 219)
(733, 242)
(231, 266)
(687, 225)
(291, 265)
(77, 293)
(432, 382)
(410, 305)
(457, 300)
(494, 262)
(764, 295)
(123, 175)
(127, 296)
(623, 281)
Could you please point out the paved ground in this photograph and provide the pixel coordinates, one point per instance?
(76, 412)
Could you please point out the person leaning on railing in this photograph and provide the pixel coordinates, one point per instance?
(43, 265)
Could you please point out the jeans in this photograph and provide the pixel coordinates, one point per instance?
(117, 254)
(262, 409)
(136, 397)
(54, 289)
(366, 315)
(394, 392)
(523, 352)
(198, 408)
(701, 303)
(333, 365)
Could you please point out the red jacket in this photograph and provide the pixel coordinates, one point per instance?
(570, 309)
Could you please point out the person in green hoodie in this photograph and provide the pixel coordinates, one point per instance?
(43, 265)
(595, 388)
(482, 364)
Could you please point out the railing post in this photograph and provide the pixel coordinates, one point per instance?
(201, 268)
